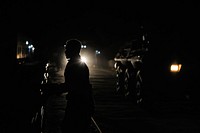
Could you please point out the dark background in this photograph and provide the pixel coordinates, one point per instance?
(100, 21)
(106, 25)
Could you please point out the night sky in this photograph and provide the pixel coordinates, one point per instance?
(105, 24)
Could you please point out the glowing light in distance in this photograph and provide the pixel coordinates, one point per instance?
(175, 67)
(83, 59)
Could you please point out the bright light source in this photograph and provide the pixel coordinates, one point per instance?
(83, 46)
(175, 67)
(97, 52)
(83, 59)
(33, 48)
(30, 46)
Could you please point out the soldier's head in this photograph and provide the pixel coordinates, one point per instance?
(72, 48)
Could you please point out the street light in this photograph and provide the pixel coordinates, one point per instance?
(97, 52)
(83, 46)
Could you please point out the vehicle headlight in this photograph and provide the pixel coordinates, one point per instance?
(84, 59)
(175, 67)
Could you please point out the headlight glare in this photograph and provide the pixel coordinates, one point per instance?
(83, 59)
(175, 67)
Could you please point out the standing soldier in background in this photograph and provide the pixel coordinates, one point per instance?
(24, 113)
(80, 102)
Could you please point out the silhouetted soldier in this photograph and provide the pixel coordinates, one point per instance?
(80, 102)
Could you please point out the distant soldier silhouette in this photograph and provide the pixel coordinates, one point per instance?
(80, 102)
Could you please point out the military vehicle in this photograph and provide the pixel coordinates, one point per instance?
(128, 64)
(157, 68)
